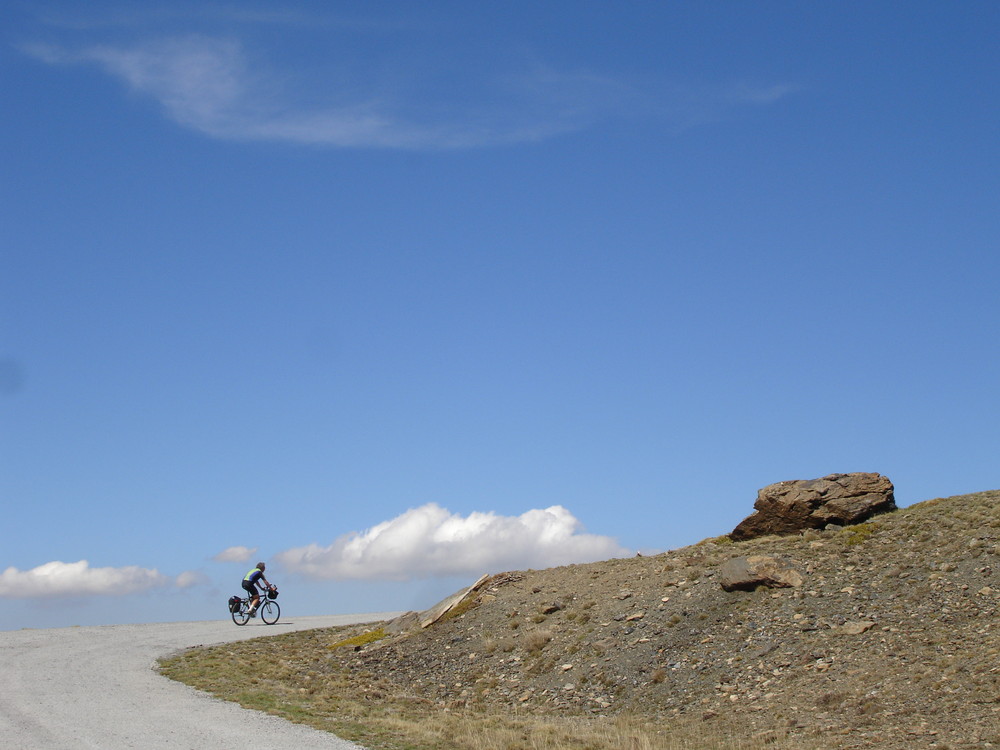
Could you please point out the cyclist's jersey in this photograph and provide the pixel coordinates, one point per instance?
(254, 575)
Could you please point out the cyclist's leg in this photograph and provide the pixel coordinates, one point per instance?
(252, 595)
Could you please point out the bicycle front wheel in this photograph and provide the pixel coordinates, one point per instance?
(270, 612)
(242, 615)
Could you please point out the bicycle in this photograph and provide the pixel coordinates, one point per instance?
(268, 609)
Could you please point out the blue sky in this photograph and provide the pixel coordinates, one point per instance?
(392, 294)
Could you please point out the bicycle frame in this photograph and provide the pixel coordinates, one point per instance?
(268, 610)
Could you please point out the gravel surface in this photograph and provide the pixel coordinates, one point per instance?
(96, 687)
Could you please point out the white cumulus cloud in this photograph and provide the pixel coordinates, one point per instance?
(432, 541)
(55, 579)
(236, 554)
(190, 578)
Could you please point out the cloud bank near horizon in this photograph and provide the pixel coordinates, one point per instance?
(213, 85)
(431, 541)
(60, 579)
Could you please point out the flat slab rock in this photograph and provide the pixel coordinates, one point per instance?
(747, 573)
(792, 507)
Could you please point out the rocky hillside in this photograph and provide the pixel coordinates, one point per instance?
(888, 637)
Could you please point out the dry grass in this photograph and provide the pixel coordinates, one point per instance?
(293, 678)
(536, 640)
(495, 732)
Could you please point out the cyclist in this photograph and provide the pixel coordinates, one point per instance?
(250, 583)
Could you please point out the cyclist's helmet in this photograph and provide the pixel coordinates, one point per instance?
(261, 566)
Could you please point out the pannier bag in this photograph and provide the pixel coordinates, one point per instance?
(234, 604)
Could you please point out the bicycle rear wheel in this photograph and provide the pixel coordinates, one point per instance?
(270, 612)
(242, 615)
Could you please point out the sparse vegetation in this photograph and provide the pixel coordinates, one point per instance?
(373, 717)
(860, 533)
(360, 640)
(459, 610)
(536, 640)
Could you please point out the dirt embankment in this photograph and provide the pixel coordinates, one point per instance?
(890, 641)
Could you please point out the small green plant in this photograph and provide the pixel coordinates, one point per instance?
(854, 535)
(361, 640)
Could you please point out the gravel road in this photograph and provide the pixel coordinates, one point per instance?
(95, 687)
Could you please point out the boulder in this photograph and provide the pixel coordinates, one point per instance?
(747, 573)
(840, 499)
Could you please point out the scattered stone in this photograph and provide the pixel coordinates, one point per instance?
(856, 628)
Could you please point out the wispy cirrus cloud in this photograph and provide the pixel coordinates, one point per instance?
(201, 82)
(60, 579)
(431, 541)
(211, 84)
(208, 84)
(745, 93)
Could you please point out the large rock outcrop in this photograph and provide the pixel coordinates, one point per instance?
(791, 507)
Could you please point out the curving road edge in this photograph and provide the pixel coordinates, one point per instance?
(96, 687)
